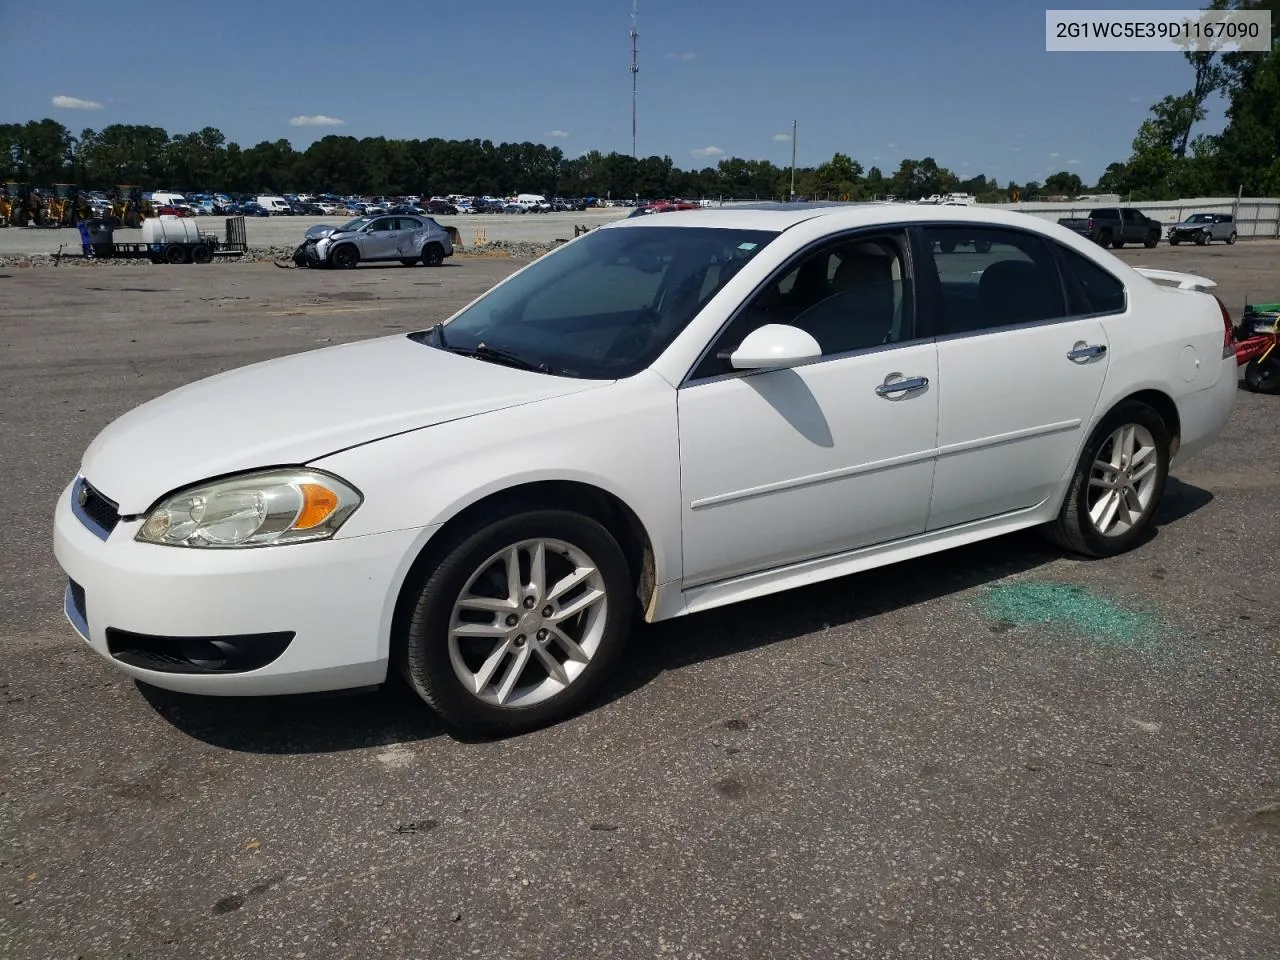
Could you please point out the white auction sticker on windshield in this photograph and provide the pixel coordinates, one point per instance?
(747, 246)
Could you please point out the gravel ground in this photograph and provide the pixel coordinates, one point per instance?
(996, 752)
(287, 232)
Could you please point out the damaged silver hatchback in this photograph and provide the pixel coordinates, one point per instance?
(375, 239)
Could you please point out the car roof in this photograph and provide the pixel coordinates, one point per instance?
(781, 216)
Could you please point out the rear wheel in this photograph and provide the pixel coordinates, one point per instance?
(201, 254)
(345, 257)
(433, 255)
(1232, 238)
(1263, 376)
(1118, 243)
(175, 253)
(1104, 239)
(1151, 241)
(519, 623)
(1117, 485)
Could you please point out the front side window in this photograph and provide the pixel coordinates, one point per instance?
(606, 305)
(990, 277)
(848, 295)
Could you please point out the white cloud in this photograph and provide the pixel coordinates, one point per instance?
(684, 57)
(319, 120)
(1073, 163)
(75, 103)
(708, 151)
(558, 134)
(1054, 155)
(782, 138)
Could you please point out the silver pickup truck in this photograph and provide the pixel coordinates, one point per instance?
(1203, 227)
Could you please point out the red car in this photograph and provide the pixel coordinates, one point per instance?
(167, 211)
(663, 206)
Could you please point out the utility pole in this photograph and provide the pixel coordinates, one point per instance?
(635, 69)
(793, 161)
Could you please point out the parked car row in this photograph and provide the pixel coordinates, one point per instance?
(1116, 226)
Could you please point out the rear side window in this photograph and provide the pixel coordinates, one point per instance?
(1098, 291)
(1104, 215)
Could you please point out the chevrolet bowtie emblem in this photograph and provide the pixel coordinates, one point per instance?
(82, 495)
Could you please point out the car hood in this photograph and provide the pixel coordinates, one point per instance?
(1185, 225)
(296, 409)
(320, 231)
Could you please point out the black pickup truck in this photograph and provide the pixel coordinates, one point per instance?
(1116, 226)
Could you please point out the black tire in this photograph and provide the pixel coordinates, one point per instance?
(175, 253)
(1104, 239)
(1073, 529)
(421, 649)
(201, 254)
(1201, 238)
(408, 261)
(1232, 238)
(947, 246)
(1151, 241)
(346, 257)
(1174, 241)
(433, 254)
(1263, 376)
(982, 246)
(1117, 244)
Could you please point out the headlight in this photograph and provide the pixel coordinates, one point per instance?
(253, 510)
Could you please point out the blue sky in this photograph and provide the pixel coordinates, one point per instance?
(968, 83)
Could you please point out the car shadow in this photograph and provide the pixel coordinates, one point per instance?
(327, 723)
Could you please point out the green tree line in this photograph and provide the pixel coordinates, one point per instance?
(1166, 160)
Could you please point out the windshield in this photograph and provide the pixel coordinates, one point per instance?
(1199, 218)
(606, 305)
(355, 224)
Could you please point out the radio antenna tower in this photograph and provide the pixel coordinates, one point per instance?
(635, 69)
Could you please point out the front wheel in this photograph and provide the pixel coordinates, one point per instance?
(1117, 485)
(1201, 238)
(345, 257)
(519, 623)
(1174, 241)
(1263, 375)
(1151, 241)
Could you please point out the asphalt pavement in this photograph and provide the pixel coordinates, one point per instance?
(996, 752)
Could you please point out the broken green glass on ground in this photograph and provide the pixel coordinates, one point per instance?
(1095, 618)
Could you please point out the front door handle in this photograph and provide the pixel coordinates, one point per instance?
(895, 386)
(1083, 352)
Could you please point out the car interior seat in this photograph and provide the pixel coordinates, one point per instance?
(1013, 291)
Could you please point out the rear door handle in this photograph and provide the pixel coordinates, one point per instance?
(895, 384)
(1083, 352)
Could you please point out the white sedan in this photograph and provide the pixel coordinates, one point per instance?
(666, 415)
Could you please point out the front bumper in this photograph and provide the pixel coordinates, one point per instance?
(335, 597)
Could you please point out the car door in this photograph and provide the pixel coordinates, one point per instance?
(409, 234)
(379, 240)
(790, 464)
(1020, 367)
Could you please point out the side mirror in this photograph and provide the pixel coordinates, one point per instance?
(774, 346)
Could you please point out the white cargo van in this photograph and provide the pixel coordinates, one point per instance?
(276, 206)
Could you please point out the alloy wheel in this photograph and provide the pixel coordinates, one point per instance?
(527, 623)
(1122, 480)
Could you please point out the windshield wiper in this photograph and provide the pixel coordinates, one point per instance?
(497, 355)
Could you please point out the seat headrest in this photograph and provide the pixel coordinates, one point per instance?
(1013, 291)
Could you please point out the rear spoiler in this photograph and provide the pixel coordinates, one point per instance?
(1185, 281)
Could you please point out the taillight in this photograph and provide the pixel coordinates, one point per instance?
(1228, 331)
(1090, 225)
